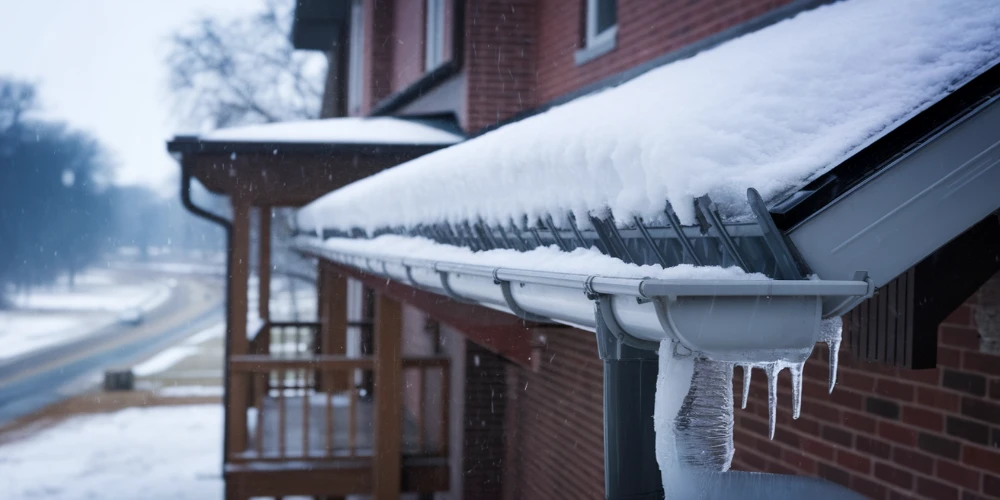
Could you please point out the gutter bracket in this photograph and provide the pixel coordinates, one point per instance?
(508, 297)
(789, 266)
(448, 291)
(613, 342)
(715, 225)
(851, 302)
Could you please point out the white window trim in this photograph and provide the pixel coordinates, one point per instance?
(595, 44)
(433, 34)
(356, 59)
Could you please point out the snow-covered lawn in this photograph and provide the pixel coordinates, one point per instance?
(173, 355)
(158, 452)
(22, 332)
(96, 291)
(58, 314)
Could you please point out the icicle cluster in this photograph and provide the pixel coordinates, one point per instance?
(830, 334)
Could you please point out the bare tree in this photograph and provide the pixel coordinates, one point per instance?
(244, 71)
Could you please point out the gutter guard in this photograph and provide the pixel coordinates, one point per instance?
(733, 321)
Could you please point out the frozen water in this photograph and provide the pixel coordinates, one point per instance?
(830, 332)
(747, 374)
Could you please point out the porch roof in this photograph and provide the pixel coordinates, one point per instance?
(293, 163)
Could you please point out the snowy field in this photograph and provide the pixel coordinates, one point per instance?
(58, 314)
(158, 452)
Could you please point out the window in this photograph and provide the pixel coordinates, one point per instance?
(356, 57)
(434, 34)
(600, 29)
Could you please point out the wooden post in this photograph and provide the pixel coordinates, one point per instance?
(388, 393)
(333, 317)
(237, 334)
(264, 265)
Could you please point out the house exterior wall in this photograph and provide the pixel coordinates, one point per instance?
(646, 30)
(554, 423)
(888, 432)
(500, 45)
(379, 21)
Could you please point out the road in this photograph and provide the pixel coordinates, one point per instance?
(32, 382)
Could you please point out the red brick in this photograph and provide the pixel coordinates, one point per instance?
(988, 364)
(855, 380)
(929, 377)
(817, 448)
(870, 489)
(872, 447)
(894, 476)
(919, 417)
(981, 458)
(894, 389)
(802, 462)
(961, 316)
(854, 462)
(847, 399)
(913, 460)
(949, 357)
(936, 398)
(962, 337)
(858, 422)
(897, 433)
(957, 474)
(929, 488)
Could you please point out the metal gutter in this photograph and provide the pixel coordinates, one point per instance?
(727, 320)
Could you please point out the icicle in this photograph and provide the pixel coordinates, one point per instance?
(834, 346)
(747, 373)
(830, 333)
(796, 370)
(772, 370)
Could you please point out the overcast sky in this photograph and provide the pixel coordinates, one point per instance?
(100, 66)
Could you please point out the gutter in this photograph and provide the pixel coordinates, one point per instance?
(733, 321)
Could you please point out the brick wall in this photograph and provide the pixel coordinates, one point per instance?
(646, 30)
(888, 432)
(499, 60)
(483, 423)
(555, 428)
(379, 22)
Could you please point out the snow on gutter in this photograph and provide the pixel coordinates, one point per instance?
(723, 314)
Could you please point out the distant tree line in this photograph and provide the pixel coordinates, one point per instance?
(54, 214)
(59, 211)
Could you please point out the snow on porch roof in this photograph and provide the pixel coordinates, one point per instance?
(772, 110)
(353, 130)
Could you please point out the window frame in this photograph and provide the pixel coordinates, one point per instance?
(596, 44)
(356, 59)
(434, 34)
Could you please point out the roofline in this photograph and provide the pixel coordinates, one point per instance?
(192, 145)
(798, 206)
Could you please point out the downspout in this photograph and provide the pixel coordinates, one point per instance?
(228, 227)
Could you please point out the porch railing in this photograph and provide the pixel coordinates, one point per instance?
(309, 408)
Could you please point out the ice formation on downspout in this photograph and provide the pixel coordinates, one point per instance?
(693, 416)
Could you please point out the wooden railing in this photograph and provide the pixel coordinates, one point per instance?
(286, 339)
(295, 414)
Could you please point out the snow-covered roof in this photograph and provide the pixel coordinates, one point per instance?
(379, 130)
(770, 110)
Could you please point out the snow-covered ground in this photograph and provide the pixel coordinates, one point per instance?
(175, 354)
(58, 314)
(96, 290)
(158, 452)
